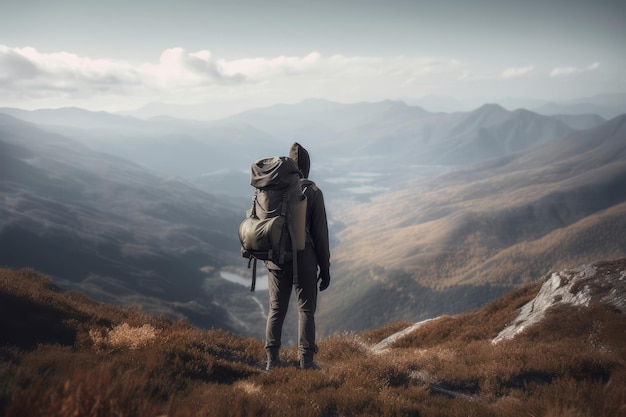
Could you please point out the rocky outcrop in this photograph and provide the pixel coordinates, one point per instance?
(599, 282)
(384, 344)
(603, 282)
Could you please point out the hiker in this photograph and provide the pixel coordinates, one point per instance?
(313, 265)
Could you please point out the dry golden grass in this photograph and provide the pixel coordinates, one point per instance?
(476, 227)
(123, 336)
(112, 361)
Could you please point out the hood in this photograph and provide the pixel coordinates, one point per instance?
(301, 156)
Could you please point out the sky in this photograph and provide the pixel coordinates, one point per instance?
(227, 56)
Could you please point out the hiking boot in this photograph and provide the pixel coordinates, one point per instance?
(307, 362)
(274, 361)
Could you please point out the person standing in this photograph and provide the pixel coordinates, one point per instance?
(313, 267)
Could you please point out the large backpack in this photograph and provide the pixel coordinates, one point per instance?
(274, 227)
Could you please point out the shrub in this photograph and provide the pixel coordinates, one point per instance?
(123, 336)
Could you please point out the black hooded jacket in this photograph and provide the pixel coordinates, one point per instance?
(316, 210)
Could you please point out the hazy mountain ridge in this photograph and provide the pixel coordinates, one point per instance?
(193, 148)
(606, 105)
(490, 132)
(410, 133)
(110, 227)
(185, 148)
(74, 117)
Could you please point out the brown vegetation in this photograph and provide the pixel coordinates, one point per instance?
(64, 355)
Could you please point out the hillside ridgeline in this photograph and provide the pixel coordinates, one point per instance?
(64, 354)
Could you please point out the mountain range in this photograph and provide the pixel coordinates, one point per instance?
(189, 148)
(430, 213)
(605, 105)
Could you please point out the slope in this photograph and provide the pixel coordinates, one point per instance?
(109, 227)
(452, 242)
(185, 148)
(65, 354)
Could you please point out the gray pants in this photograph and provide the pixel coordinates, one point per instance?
(280, 287)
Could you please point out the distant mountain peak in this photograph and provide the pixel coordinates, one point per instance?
(490, 112)
(315, 100)
(490, 108)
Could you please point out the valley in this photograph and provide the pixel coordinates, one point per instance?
(430, 213)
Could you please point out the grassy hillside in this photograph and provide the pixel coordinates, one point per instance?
(64, 354)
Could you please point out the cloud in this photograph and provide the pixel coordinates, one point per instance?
(177, 67)
(565, 71)
(180, 76)
(33, 74)
(258, 68)
(14, 65)
(33, 79)
(510, 73)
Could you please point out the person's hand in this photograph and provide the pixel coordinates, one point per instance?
(324, 279)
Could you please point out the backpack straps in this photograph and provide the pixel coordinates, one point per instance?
(254, 201)
(294, 252)
(283, 212)
(253, 261)
(286, 213)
